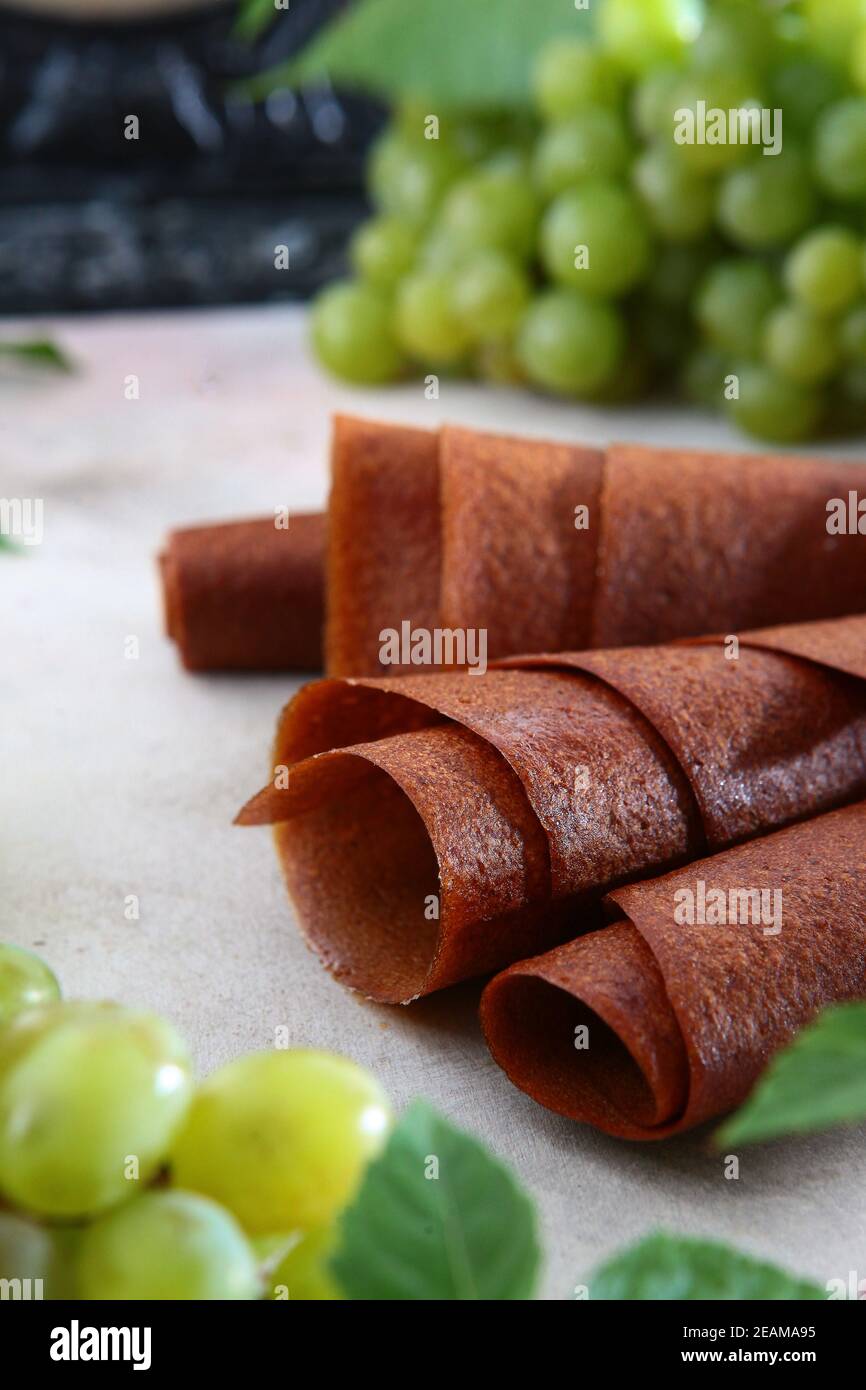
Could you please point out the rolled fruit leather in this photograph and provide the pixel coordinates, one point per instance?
(247, 595)
(685, 1004)
(434, 828)
(552, 547)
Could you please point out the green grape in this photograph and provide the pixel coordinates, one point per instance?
(678, 271)
(768, 202)
(803, 88)
(734, 34)
(641, 34)
(595, 238)
(831, 26)
(492, 209)
(409, 177)
(167, 1245)
(800, 346)
(852, 334)
(825, 270)
(303, 1274)
(679, 204)
(489, 295)
(426, 322)
(733, 302)
(25, 982)
(90, 1097)
(770, 406)
(704, 377)
(858, 61)
(654, 101)
(840, 149)
(570, 75)
(595, 143)
(282, 1138)
(569, 344)
(383, 251)
(352, 333)
(693, 123)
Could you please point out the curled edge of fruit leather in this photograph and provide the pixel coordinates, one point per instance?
(246, 595)
(646, 802)
(683, 1017)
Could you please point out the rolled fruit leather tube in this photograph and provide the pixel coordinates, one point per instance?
(684, 1007)
(247, 595)
(550, 781)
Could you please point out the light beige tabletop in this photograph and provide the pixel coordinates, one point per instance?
(120, 777)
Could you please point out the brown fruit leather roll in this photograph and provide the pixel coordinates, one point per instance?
(682, 1015)
(246, 595)
(698, 542)
(477, 531)
(622, 764)
(384, 543)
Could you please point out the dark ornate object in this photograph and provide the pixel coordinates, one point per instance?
(192, 210)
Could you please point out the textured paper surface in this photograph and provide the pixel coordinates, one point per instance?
(121, 777)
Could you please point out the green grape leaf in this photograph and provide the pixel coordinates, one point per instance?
(437, 1217)
(41, 352)
(458, 53)
(818, 1081)
(662, 1266)
(252, 18)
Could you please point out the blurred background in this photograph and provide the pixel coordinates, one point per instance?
(190, 211)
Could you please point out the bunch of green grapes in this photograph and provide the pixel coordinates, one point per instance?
(121, 1179)
(593, 250)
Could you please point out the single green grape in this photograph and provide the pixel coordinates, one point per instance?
(570, 75)
(704, 377)
(831, 26)
(352, 333)
(25, 981)
(90, 1098)
(593, 144)
(801, 346)
(426, 322)
(772, 407)
(768, 202)
(303, 1273)
(282, 1138)
(489, 295)
(408, 177)
(694, 122)
(641, 34)
(680, 205)
(840, 149)
(596, 239)
(803, 87)
(167, 1245)
(852, 334)
(569, 344)
(825, 270)
(654, 101)
(383, 250)
(733, 302)
(491, 209)
(735, 33)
